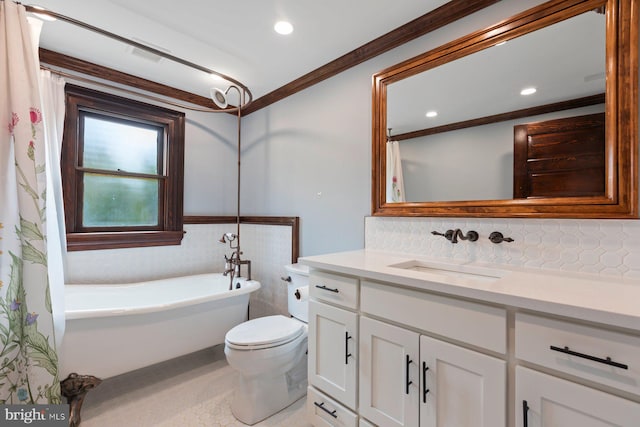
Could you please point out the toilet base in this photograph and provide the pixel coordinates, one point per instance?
(258, 397)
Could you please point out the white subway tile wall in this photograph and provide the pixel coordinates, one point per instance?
(267, 246)
(269, 249)
(603, 247)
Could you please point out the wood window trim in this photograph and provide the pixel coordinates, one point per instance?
(171, 232)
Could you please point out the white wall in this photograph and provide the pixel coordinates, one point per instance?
(319, 141)
(309, 157)
(475, 163)
(210, 164)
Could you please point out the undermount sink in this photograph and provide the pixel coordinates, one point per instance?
(452, 270)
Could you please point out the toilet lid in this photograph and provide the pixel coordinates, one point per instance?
(264, 331)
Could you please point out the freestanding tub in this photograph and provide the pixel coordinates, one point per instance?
(113, 329)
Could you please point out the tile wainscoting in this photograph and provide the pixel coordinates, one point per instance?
(269, 247)
(603, 247)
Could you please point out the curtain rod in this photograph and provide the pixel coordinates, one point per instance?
(129, 91)
(40, 11)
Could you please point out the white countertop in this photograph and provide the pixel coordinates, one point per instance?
(607, 300)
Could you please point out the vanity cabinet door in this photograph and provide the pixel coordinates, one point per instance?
(333, 352)
(389, 380)
(460, 387)
(546, 401)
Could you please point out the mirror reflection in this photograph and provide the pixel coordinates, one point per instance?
(455, 124)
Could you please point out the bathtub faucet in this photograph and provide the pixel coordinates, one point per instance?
(233, 264)
(229, 269)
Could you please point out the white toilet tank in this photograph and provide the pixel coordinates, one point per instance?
(298, 291)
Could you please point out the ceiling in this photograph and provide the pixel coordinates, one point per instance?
(235, 38)
(570, 66)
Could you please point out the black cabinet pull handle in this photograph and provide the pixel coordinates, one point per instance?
(606, 361)
(323, 287)
(425, 390)
(321, 406)
(525, 414)
(347, 355)
(408, 382)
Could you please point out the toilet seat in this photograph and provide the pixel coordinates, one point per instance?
(264, 332)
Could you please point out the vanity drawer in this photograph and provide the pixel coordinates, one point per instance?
(365, 423)
(476, 324)
(324, 411)
(599, 355)
(333, 288)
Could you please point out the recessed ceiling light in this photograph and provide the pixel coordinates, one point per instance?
(283, 27)
(431, 114)
(501, 43)
(528, 91)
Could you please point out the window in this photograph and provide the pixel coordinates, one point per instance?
(122, 172)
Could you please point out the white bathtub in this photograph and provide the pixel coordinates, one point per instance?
(113, 329)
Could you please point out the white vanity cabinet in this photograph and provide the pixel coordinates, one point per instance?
(410, 379)
(389, 385)
(528, 350)
(584, 352)
(547, 401)
(333, 350)
(460, 387)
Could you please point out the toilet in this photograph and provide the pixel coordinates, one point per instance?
(269, 355)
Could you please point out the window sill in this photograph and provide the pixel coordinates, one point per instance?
(117, 240)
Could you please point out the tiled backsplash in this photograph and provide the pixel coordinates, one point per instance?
(267, 246)
(603, 247)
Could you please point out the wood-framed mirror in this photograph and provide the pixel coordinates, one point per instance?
(610, 91)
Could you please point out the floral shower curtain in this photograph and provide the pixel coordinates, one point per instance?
(28, 358)
(53, 111)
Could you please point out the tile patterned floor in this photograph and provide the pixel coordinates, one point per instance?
(190, 391)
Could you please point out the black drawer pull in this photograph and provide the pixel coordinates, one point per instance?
(347, 355)
(425, 390)
(525, 414)
(321, 406)
(323, 287)
(408, 382)
(606, 361)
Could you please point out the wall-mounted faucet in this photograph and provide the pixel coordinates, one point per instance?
(453, 235)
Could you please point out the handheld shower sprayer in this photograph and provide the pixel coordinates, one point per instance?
(228, 237)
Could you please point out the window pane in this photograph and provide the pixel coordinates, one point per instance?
(119, 201)
(111, 145)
